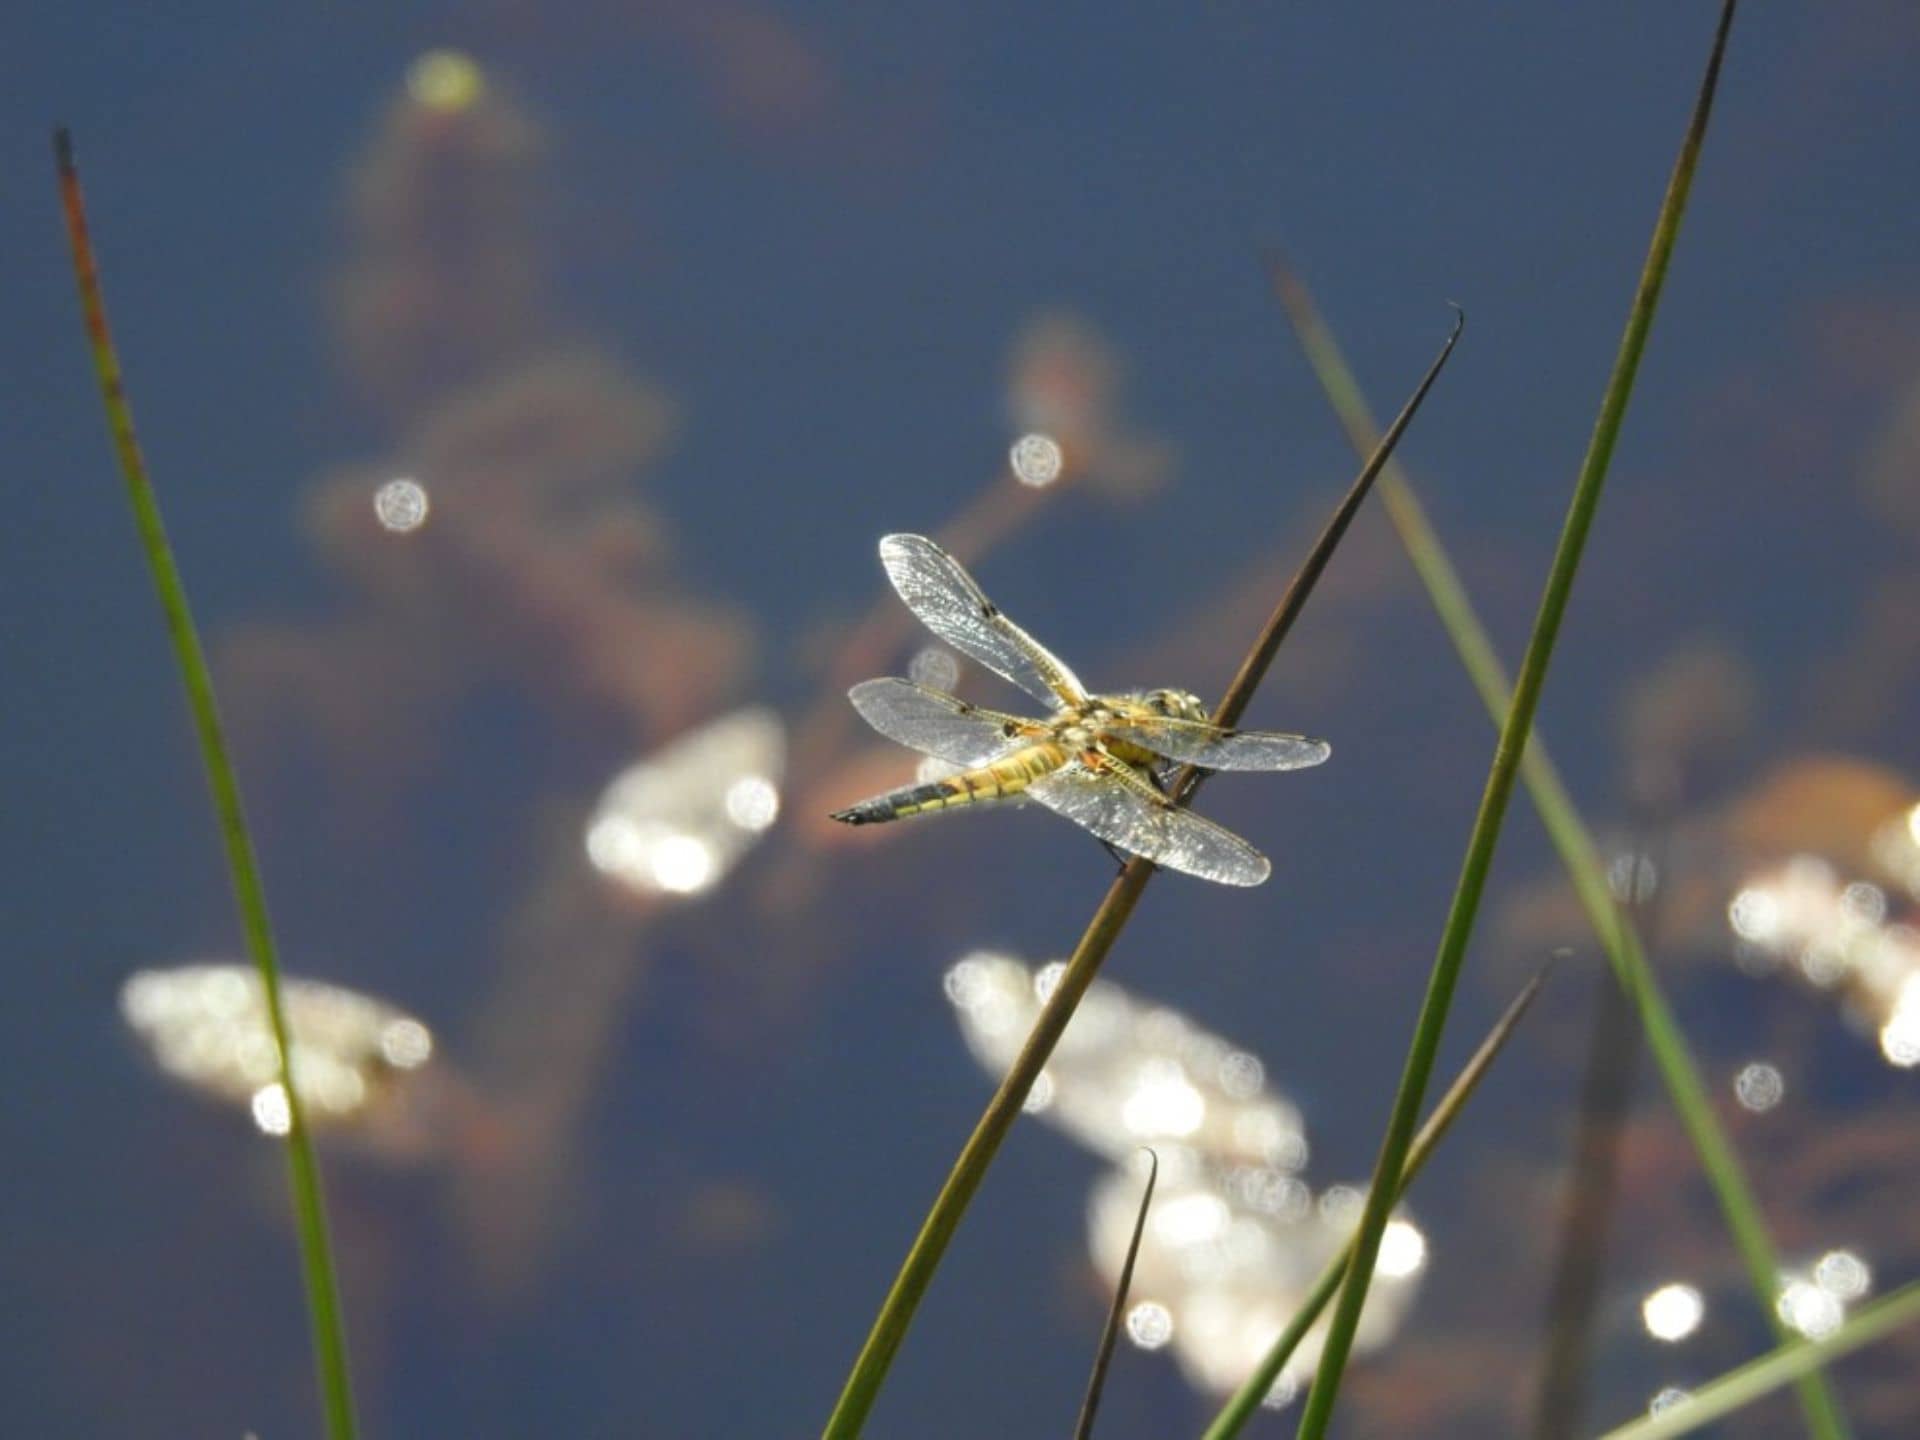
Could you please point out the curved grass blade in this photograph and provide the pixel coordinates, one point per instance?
(303, 1171)
(936, 1231)
(1097, 1381)
(1739, 1388)
(1571, 839)
(1506, 765)
(1246, 1400)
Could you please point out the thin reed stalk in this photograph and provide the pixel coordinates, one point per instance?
(1823, 1418)
(890, 1326)
(1253, 1390)
(1110, 1332)
(1571, 838)
(327, 1328)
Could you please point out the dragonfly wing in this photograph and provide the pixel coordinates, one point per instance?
(1193, 742)
(950, 604)
(934, 723)
(1119, 806)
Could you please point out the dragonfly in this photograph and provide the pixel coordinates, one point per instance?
(1100, 760)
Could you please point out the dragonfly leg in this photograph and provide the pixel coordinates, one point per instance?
(1098, 761)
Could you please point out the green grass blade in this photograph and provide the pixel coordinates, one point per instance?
(1506, 763)
(889, 1328)
(1571, 838)
(1245, 1401)
(303, 1171)
(1103, 1357)
(1739, 1388)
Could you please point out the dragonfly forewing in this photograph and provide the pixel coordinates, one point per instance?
(1193, 742)
(952, 606)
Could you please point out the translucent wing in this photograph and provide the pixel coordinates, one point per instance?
(1194, 742)
(933, 723)
(1119, 806)
(948, 603)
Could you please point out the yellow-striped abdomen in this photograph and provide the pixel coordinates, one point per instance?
(997, 780)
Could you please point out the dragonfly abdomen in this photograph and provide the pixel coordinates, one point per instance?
(999, 780)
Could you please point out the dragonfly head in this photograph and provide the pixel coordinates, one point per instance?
(1180, 704)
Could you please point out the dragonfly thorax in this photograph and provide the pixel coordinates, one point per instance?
(1077, 733)
(1178, 704)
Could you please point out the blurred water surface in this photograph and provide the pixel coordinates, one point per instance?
(527, 388)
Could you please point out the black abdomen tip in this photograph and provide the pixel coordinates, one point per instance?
(855, 815)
